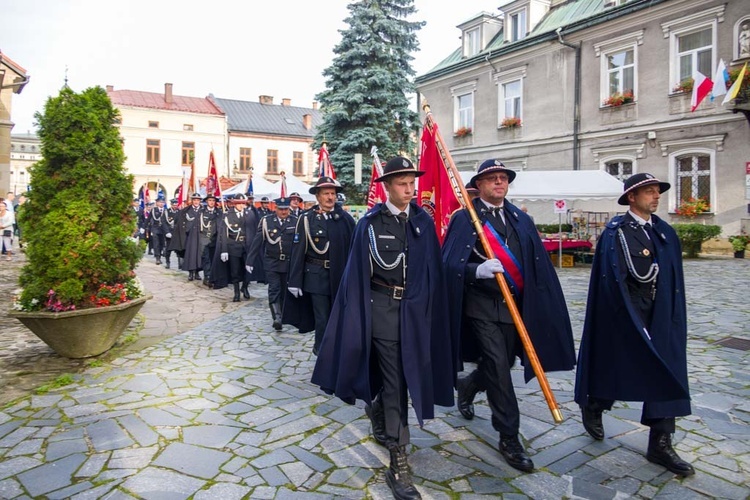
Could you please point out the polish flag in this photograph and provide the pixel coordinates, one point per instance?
(702, 86)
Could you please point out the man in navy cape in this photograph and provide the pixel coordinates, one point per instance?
(635, 333)
(387, 329)
(481, 317)
(319, 253)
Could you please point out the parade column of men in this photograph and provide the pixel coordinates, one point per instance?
(273, 241)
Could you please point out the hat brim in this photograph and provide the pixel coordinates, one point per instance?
(663, 187)
(416, 173)
(511, 175)
(314, 189)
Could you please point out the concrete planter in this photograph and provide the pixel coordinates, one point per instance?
(84, 333)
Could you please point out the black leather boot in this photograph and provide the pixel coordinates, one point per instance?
(377, 419)
(276, 313)
(158, 260)
(180, 263)
(513, 452)
(236, 293)
(592, 422)
(166, 264)
(660, 452)
(467, 389)
(191, 275)
(398, 475)
(245, 293)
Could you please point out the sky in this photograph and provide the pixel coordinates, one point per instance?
(234, 49)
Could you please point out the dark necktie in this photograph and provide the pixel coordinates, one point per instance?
(499, 222)
(402, 217)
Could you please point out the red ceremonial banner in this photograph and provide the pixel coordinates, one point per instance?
(436, 194)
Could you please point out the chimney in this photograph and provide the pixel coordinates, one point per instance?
(110, 88)
(315, 104)
(286, 101)
(168, 93)
(265, 99)
(307, 121)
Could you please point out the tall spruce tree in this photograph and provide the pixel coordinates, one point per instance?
(366, 100)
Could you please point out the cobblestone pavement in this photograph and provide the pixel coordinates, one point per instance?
(225, 410)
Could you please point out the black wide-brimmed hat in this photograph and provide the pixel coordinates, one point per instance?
(488, 166)
(398, 166)
(282, 202)
(295, 195)
(209, 196)
(326, 182)
(265, 200)
(238, 198)
(471, 189)
(196, 195)
(639, 180)
(174, 201)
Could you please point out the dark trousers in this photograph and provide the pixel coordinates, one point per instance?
(207, 258)
(276, 287)
(157, 242)
(387, 355)
(497, 342)
(167, 251)
(648, 414)
(236, 268)
(321, 305)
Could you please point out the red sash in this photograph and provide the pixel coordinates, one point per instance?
(513, 271)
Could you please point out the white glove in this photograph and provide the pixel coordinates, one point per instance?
(487, 269)
(224, 256)
(249, 269)
(168, 235)
(297, 292)
(142, 231)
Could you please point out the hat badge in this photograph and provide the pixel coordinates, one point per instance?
(406, 164)
(497, 162)
(649, 176)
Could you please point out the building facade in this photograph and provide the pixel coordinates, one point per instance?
(586, 84)
(13, 78)
(25, 150)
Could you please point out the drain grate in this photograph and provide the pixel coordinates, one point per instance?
(735, 343)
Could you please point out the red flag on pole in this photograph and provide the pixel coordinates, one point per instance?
(283, 186)
(324, 162)
(212, 179)
(376, 193)
(436, 194)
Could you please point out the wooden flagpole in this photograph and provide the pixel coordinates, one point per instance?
(465, 201)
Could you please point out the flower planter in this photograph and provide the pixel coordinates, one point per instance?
(83, 333)
(739, 255)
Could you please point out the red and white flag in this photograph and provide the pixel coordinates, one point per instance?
(212, 179)
(324, 162)
(702, 86)
(376, 194)
(436, 195)
(283, 186)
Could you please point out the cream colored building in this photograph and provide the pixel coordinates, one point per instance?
(25, 150)
(164, 132)
(13, 78)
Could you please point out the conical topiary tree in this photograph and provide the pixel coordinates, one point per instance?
(78, 219)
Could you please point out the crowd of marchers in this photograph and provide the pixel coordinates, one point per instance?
(396, 313)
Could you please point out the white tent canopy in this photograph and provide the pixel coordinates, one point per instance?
(293, 184)
(543, 185)
(261, 187)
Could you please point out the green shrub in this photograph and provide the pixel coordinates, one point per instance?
(78, 219)
(553, 228)
(692, 236)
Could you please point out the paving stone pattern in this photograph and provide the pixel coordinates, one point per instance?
(225, 410)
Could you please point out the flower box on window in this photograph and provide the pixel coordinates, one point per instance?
(618, 99)
(693, 207)
(462, 132)
(511, 122)
(685, 85)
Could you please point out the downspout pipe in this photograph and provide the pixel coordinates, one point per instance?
(576, 100)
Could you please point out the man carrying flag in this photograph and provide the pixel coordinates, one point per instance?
(480, 315)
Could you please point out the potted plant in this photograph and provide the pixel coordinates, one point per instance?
(693, 207)
(739, 243)
(511, 122)
(618, 99)
(693, 235)
(79, 289)
(685, 85)
(463, 132)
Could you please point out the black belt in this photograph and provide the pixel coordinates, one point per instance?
(320, 262)
(396, 292)
(280, 257)
(238, 238)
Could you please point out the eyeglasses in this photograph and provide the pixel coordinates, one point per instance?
(494, 178)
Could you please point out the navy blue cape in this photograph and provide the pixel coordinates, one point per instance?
(543, 307)
(343, 367)
(617, 360)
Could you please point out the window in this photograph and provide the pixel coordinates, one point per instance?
(518, 26)
(297, 163)
(246, 158)
(272, 161)
(620, 169)
(153, 124)
(693, 173)
(187, 127)
(188, 153)
(694, 51)
(465, 111)
(511, 99)
(152, 151)
(471, 42)
(620, 72)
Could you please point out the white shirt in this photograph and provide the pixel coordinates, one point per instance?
(641, 222)
(396, 211)
(491, 207)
